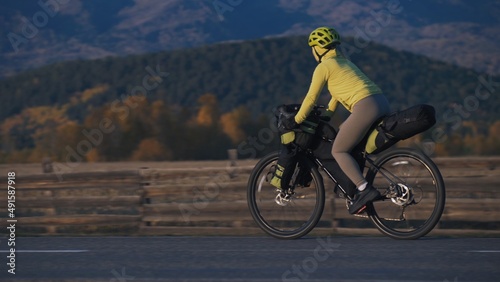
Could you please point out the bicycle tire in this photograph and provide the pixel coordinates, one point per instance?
(263, 218)
(433, 189)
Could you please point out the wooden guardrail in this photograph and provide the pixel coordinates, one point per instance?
(213, 201)
(82, 203)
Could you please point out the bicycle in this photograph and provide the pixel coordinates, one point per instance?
(411, 185)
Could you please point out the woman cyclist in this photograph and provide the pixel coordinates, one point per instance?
(349, 86)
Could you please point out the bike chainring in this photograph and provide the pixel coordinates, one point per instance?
(363, 214)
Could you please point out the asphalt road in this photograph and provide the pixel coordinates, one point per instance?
(121, 259)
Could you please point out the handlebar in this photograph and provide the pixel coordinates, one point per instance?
(283, 112)
(290, 110)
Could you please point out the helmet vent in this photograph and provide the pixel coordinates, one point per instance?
(324, 37)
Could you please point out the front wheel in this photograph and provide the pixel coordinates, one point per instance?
(285, 215)
(415, 194)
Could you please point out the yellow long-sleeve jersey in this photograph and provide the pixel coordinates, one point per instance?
(346, 83)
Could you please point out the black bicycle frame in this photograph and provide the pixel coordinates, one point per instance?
(382, 171)
(330, 175)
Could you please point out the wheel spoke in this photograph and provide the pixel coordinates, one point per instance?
(284, 215)
(417, 194)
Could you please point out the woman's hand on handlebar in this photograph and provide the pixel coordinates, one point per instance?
(326, 115)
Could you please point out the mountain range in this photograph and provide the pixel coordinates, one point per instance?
(37, 33)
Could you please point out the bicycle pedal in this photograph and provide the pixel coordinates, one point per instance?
(361, 210)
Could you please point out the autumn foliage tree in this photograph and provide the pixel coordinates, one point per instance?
(209, 112)
(135, 128)
(232, 124)
(150, 149)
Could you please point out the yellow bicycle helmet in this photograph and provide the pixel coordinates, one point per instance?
(324, 37)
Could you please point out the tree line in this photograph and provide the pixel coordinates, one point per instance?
(155, 106)
(257, 74)
(137, 129)
(131, 130)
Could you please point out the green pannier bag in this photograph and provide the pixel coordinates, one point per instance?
(287, 160)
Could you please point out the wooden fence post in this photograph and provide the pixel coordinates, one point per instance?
(47, 165)
(144, 180)
(233, 156)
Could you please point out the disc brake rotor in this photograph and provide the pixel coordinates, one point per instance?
(405, 195)
(283, 198)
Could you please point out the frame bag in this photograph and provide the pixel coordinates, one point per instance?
(322, 149)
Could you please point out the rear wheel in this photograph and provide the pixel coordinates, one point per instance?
(415, 194)
(285, 214)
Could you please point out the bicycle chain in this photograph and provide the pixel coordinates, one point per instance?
(366, 216)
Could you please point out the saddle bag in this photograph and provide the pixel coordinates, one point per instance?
(399, 126)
